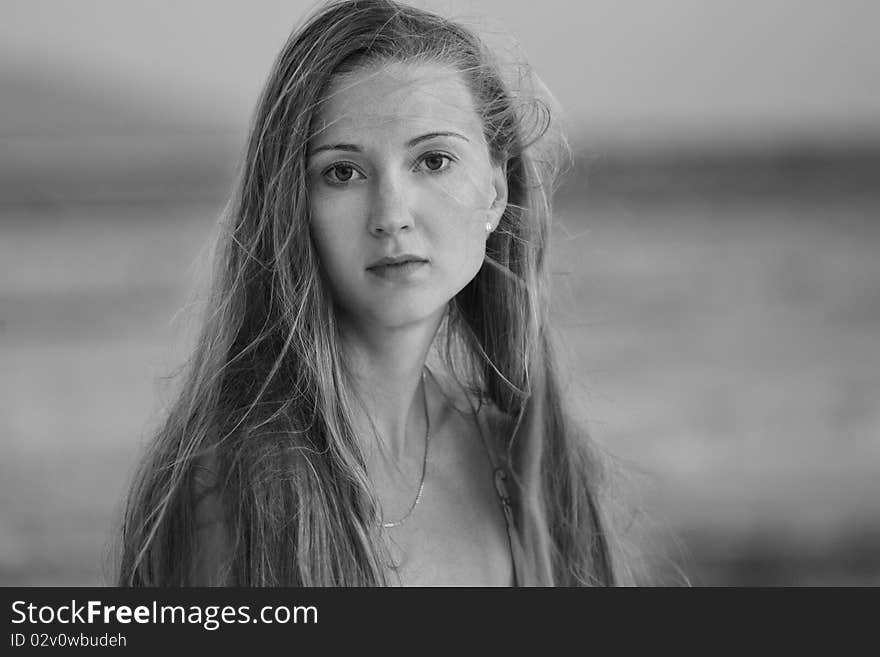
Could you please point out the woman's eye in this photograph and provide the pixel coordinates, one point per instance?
(435, 162)
(341, 173)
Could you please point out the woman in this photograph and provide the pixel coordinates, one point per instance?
(390, 212)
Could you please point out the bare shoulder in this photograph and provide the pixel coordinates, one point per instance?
(206, 483)
(210, 551)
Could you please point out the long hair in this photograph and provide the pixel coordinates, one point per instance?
(258, 452)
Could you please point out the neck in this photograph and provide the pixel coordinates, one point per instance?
(387, 366)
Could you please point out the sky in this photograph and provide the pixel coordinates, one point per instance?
(634, 70)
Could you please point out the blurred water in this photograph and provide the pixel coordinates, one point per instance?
(728, 350)
(725, 351)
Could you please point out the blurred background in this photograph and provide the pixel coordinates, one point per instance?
(717, 279)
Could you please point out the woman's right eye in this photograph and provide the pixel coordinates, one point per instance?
(341, 173)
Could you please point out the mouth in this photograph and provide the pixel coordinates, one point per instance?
(397, 262)
(409, 270)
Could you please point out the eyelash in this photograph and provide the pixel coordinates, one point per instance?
(325, 174)
(447, 159)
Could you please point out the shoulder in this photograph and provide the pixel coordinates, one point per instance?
(206, 485)
(210, 553)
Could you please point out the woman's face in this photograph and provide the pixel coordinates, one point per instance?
(398, 167)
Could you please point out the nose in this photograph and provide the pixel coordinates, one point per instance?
(390, 211)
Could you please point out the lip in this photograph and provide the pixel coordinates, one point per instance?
(407, 272)
(396, 260)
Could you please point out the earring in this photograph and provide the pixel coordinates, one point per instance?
(488, 227)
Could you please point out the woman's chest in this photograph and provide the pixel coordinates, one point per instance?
(467, 547)
(457, 535)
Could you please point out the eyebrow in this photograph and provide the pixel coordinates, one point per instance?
(354, 148)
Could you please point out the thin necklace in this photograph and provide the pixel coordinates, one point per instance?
(398, 523)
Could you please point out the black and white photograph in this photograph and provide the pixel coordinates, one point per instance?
(441, 293)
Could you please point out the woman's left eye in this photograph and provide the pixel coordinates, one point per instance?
(434, 162)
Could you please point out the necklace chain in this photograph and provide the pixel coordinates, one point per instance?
(398, 523)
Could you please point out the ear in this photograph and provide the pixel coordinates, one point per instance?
(499, 188)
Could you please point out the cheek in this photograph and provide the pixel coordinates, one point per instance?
(464, 239)
(333, 236)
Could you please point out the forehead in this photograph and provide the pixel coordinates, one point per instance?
(395, 98)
